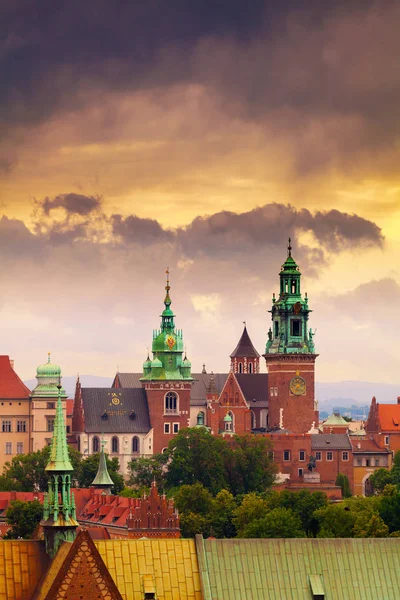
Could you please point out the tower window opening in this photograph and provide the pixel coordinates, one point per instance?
(276, 326)
(135, 444)
(240, 367)
(295, 325)
(115, 445)
(250, 368)
(171, 402)
(293, 286)
(286, 286)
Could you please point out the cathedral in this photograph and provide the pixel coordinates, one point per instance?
(142, 412)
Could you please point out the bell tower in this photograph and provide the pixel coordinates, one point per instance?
(167, 379)
(290, 356)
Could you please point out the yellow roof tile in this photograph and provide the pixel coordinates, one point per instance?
(22, 563)
(171, 566)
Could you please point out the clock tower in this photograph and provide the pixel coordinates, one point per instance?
(290, 356)
(167, 379)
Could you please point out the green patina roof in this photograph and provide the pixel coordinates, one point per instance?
(266, 569)
(48, 376)
(102, 478)
(59, 457)
(335, 419)
(48, 369)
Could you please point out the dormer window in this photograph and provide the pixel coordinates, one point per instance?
(104, 416)
(132, 415)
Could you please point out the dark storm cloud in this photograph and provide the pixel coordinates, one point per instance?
(227, 234)
(72, 203)
(133, 229)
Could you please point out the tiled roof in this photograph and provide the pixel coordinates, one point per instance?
(199, 387)
(171, 564)
(335, 419)
(254, 387)
(245, 347)
(22, 564)
(367, 445)
(10, 384)
(389, 417)
(330, 441)
(98, 401)
(266, 569)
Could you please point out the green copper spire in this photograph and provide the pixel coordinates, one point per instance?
(59, 511)
(290, 333)
(167, 349)
(102, 479)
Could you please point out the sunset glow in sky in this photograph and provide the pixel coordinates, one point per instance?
(198, 135)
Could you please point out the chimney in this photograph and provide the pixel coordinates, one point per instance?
(12, 364)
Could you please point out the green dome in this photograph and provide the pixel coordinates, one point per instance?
(186, 363)
(48, 370)
(167, 341)
(147, 363)
(227, 418)
(156, 363)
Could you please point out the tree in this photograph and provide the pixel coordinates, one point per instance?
(192, 523)
(253, 507)
(194, 498)
(389, 508)
(194, 455)
(88, 470)
(278, 523)
(143, 471)
(303, 504)
(379, 479)
(370, 526)
(343, 481)
(335, 521)
(26, 472)
(248, 464)
(222, 513)
(23, 517)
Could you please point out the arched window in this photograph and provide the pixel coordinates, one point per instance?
(95, 444)
(115, 445)
(250, 368)
(171, 402)
(135, 444)
(253, 419)
(240, 368)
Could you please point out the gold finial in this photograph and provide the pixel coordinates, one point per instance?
(48, 357)
(167, 272)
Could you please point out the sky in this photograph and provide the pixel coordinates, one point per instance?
(199, 136)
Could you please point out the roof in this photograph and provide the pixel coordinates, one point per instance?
(369, 446)
(264, 569)
(118, 404)
(335, 419)
(245, 347)
(22, 564)
(330, 441)
(389, 417)
(170, 564)
(11, 385)
(254, 387)
(199, 387)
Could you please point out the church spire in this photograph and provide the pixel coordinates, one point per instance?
(167, 317)
(103, 480)
(59, 511)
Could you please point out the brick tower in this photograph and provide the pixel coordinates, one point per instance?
(245, 358)
(290, 356)
(167, 380)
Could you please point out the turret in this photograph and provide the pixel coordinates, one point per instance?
(59, 511)
(245, 358)
(103, 480)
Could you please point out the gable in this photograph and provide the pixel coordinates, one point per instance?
(11, 385)
(231, 394)
(78, 572)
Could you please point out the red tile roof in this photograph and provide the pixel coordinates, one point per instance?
(389, 417)
(10, 384)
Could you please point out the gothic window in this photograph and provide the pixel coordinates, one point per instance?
(295, 327)
(95, 444)
(135, 444)
(171, 402)
(240, 367)
(250, 368)
(115, 445)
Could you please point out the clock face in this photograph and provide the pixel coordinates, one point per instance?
(297, 386)
(170, 342)
(115, 400)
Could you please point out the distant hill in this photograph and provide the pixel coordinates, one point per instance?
(69, 382)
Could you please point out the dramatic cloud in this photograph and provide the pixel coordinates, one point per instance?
(71, 203)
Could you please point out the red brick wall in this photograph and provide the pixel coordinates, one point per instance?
(298, 414)
(156, 392)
